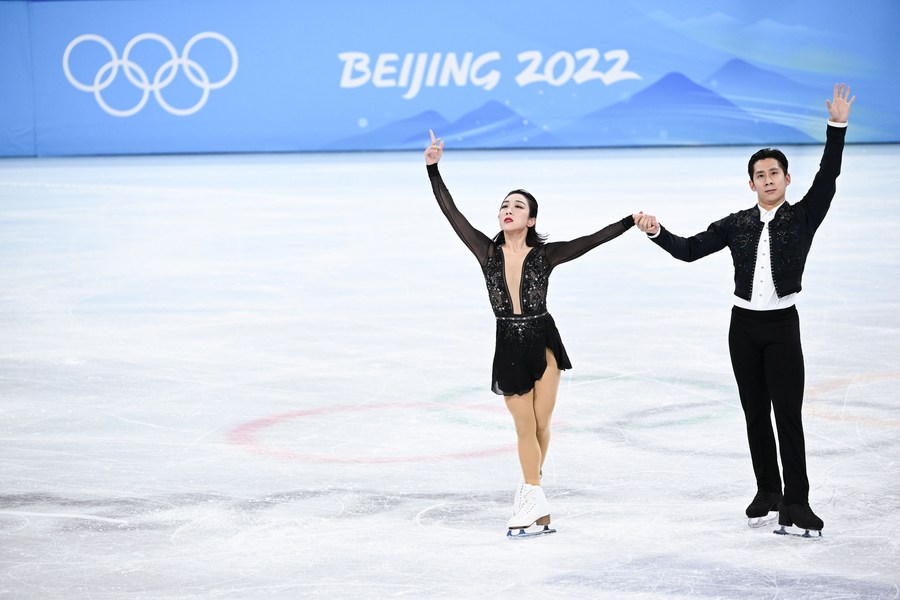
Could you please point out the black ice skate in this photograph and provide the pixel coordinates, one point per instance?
(763, 509)
(800, 516)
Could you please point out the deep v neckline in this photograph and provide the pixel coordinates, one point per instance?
(521, 279)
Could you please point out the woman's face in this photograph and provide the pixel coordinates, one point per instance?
(514, 212)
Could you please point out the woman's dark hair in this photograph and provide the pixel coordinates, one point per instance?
(532, 237)
(767, 153)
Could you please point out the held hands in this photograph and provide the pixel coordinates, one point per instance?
(434, 151)
(646, 223)
(839, 108)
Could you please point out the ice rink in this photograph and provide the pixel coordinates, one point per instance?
(268, 377)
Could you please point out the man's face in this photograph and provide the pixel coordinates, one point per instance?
(769, 182)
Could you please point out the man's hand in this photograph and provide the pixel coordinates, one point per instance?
(646, 223)
(839, 107)
(435, 150)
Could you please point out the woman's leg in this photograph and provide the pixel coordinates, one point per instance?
(545, 390)
(531, 414)
(522, 410)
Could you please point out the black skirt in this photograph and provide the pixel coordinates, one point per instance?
(520, 356)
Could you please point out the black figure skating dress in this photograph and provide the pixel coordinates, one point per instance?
(519, 355)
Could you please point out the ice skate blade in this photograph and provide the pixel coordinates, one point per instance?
(810, 534)
(757, 522)
(520, 533)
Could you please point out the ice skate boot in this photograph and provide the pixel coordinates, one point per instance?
(762, 510)
(533, 509)
(521, 487)
(800, 516)
(517, 501)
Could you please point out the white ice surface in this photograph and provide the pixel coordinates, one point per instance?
(267, 377)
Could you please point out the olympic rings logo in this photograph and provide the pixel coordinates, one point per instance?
(161, 79)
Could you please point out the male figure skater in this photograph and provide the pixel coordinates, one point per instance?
(769, 244)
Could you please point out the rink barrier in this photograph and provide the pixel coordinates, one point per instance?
(82, 77)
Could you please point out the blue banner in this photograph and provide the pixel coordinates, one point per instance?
(167, 76)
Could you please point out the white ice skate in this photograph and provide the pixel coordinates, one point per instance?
(532, 508)
(517, 501)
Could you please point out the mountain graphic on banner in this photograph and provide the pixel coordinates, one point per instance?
(784, 100)
(495, 125)
(676, 111)
(673, 111)
(491, 125)
(397, 135)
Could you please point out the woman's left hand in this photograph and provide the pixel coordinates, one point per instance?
(435, 150)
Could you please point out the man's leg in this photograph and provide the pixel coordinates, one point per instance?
(749, 372)
(785, 376)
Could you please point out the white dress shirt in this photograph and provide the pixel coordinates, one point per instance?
(763, 296)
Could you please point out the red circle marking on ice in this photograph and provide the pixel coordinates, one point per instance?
(245, 435)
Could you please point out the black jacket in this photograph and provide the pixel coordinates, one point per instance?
(791, 230)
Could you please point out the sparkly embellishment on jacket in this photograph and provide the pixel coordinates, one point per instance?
(791, 230)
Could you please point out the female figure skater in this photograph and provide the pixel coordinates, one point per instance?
(529, 353)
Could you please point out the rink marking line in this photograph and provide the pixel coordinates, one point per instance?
(22, 513)
(245, 436)
(845, 383)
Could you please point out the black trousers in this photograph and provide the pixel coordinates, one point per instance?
(768, 365)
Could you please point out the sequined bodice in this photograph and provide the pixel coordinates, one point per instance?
(532, 290)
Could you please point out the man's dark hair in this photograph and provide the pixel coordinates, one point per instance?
(768, 153)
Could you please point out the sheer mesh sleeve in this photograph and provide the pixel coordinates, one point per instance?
(474, 240)
(560, 252)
